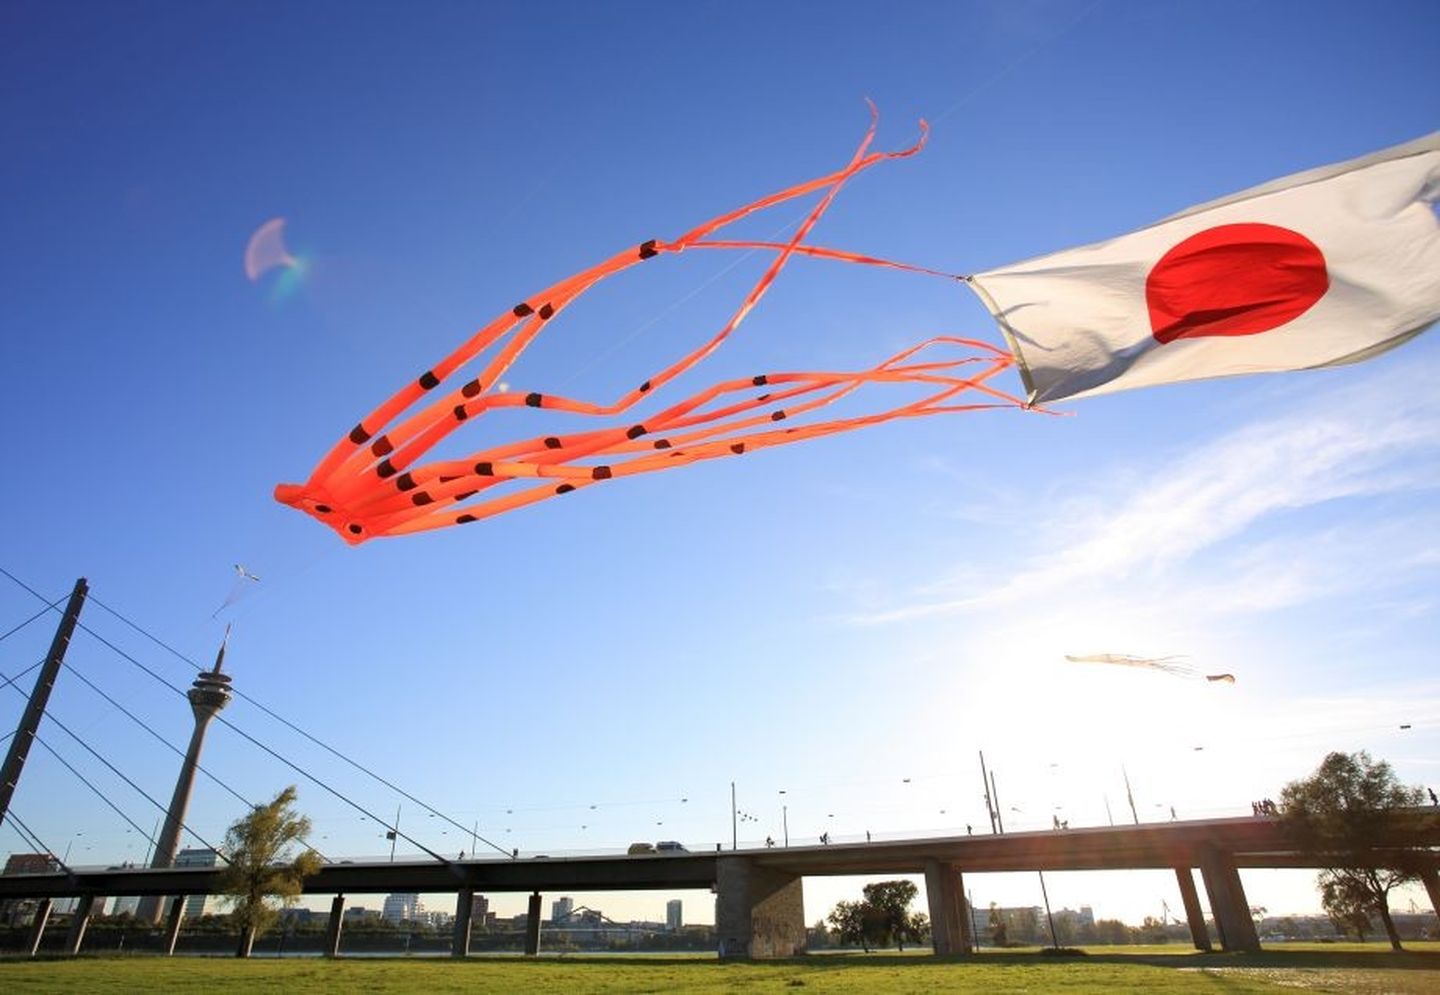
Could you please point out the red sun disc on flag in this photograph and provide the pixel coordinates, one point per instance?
(1239, 279)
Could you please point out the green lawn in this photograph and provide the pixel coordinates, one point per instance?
(1316, 968)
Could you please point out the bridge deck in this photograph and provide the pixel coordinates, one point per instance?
(1253, 842)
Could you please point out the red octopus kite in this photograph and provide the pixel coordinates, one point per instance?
(1319, 268)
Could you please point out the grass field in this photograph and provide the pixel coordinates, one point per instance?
(1319, 968)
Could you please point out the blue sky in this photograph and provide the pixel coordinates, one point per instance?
(827, 619)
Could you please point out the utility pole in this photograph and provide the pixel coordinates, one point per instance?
(995, 793)
(39, 697)
(1054, 940)
(1130, 797)
(974, 929)
(734, 831)
(150, 844)
(985, 781)
(394, 834)
(785, 822)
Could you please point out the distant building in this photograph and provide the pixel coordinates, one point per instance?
(206, 857)
(31, 863)
(1085, 917)
(125, 905)
(402, 908)
(298, 916)
(479, 909)
(673, 919)
(561, 908)
(20, 911)
(1022, 921)
(359, 913)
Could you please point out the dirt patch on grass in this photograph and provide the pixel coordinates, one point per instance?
(1350, 981)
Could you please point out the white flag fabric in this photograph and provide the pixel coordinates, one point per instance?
(1320, 268)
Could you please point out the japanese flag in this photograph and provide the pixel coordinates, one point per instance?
(1320, 268)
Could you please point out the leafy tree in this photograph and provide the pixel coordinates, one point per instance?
(891, 902)
(1065, 931)
(1334, 816)
(1025, 925)
(1112, 931)
(1348, 905)
(999, 930)
(917, 928)
(848, 921)
(883, 918)
(258, 878)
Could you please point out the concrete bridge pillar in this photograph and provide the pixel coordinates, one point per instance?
(1199, 935)
(172, 924)
(532, 927)
(464, 908)
(1430, 877)
(759, 912)
(1227, 902)
(333, 927)
(37, 927)
(949, 918)
(79, 922)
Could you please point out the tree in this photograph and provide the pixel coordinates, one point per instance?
(883, 918)
(258, 879)
(1335, 815)
(847, 919)
(1347, 905)
(891, 902)
(1112, 931)
(1025, 925)
(999, 930)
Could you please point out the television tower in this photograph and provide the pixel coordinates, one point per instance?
(209, 694)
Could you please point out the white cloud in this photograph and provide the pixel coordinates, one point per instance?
(1378, 437)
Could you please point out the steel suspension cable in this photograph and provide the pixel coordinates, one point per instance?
(103, 797)
(122, 775)
(40, 614)
(27, 834)
(165, 742)
(251, 739)
(285, 722)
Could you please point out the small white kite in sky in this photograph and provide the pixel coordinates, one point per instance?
(244, 579)
(1168, 664)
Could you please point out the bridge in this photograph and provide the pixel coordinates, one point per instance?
(759, 892)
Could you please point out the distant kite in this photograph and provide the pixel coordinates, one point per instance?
(1324, 267)
(1168, 664)
(238, 589)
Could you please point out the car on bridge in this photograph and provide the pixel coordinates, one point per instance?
(670, 846)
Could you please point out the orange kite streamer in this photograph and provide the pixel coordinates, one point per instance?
(372, 482)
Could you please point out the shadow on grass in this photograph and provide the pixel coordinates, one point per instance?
(1372, 960)
(1408, 960)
